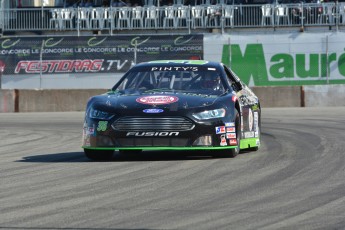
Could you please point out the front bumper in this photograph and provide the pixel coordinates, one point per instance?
(181, 134)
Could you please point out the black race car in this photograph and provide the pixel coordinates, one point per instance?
(173, 105)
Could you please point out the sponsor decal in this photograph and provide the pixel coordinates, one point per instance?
(51, 42)
(220, 129)
(230, 124)
(59, 66)
(102, 126)
(181, 40)
(233, 141)
(89, 131)
(174, 68)
(230, 135)
(256, 121)
(139, 41)
(223, 140)
(230, 129)
(152, 134)
(8, 43)
(153, 110)
(90, 54)
(250, 119)
(249, 134)
(157, 100)
(91, 42)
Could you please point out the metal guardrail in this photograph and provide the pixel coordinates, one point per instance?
(173, 17)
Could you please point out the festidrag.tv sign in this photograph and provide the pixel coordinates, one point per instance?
(92, 54)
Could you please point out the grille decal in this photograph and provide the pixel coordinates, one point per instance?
(153, 124)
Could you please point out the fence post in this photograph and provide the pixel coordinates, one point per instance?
(337, 16)
(1, 17)
(78, 21)
(302, 18)
(327, 66)
(41, 62)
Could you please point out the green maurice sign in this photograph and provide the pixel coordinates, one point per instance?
(263, 66)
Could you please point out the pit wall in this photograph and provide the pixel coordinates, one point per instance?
(75, 100)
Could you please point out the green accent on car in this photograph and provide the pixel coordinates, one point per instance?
(159, 148)
(244, 144)
(102, 126)
(192, 62)
(248, 143)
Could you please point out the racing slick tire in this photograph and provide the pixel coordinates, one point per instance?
(99, 155)
(231, 153)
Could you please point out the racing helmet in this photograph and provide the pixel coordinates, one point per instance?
(210, 80)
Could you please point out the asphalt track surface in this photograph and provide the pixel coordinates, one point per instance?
(295, 181)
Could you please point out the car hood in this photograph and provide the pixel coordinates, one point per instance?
(115, 102)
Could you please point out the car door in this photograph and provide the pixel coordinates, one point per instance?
(249, 104)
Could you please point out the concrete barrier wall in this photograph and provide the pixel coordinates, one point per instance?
(75, 100)
(324, 95)
(284, 96)
(7, 101)
(55, 100)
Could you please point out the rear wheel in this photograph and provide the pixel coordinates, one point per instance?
(99, 155)
(234, 151)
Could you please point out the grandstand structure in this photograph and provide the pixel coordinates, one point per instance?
(220, 16)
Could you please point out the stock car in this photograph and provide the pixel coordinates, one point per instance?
(173, 105)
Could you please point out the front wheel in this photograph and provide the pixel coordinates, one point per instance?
(234, 151)
(99, 155)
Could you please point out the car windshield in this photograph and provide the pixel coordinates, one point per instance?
(201, 82)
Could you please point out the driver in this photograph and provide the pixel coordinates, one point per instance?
(210, 80)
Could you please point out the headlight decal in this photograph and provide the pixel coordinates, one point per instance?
(210, 114)
(98, 114)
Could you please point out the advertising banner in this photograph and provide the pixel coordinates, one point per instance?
(281, 58)
(92, 54)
